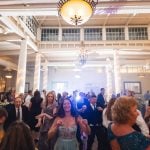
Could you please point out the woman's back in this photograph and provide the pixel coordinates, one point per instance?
(131, 141)
(36, 105)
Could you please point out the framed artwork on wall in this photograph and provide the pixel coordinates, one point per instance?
(133, 86)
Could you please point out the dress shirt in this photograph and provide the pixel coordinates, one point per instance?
(93, 106)
(20, 109)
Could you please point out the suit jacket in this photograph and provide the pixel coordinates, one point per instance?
(12, 115)
(94, 117)
(100, 100)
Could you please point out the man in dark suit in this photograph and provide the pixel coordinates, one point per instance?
(94, 117)
(16, 111)
(100, 99)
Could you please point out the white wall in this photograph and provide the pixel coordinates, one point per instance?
(90, 80)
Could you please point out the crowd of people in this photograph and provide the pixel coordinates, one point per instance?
(64, 122)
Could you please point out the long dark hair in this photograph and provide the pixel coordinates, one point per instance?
(61, 112)
(37, 96)
(18, 137)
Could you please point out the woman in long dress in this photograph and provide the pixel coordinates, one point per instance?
(35, 109)
(45, 120)
(66, 127)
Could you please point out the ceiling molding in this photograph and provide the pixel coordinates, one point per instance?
(9, 37)
(8, 64)
(50, 9)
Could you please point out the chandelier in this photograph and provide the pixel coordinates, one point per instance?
(76, 12)
(83, 57)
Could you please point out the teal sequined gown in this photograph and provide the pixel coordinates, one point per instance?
(67, 138)
(131, 141)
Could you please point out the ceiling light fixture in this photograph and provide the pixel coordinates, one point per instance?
(141, 75)
(8, 75)
(76, 69)
(76, 12)
(77, 76)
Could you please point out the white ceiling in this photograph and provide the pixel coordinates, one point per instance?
(110, 13)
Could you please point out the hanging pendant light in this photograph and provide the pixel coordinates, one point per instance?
(76, 12)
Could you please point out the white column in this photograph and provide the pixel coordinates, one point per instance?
(45, 75)
(36, 83)
(104, 34)
(108, 79)
(81, 34)
(117, 77)
(126, 33)
(21, 72)
(60, 34)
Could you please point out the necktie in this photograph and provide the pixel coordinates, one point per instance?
(93, 107)
(18, 114)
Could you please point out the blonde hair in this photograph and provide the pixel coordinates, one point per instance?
(54, 97)
(121, 109)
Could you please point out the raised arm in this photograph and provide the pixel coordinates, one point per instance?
(84, 125)
(53, 129)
